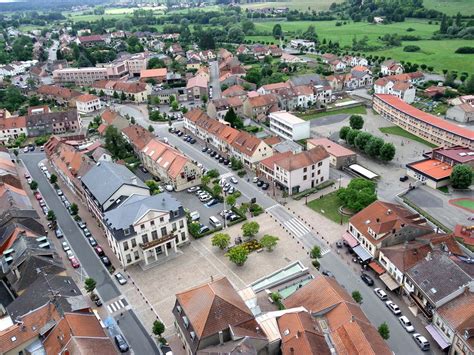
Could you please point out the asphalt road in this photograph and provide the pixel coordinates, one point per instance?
(133, 330)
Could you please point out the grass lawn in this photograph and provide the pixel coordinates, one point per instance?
(302, 5)
(451, 7)
(80, 17)
(262, 39)
(345, 33)
(328, 206)
(466, 203)
(358, 110)
(438, 54)
(397, 131)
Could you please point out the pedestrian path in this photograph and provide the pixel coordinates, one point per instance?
(118, 305)
(297, 228)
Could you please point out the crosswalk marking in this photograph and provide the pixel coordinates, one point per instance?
(296, 227)
(115, 306)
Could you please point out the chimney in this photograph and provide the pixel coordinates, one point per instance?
(428, 256)
(212, 278)
(221, 338)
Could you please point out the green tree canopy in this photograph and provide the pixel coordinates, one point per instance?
(387, 152)
(315, 252)
(384, 331)
(351, 136)
(269, 242)
(357, 296)
(277, 31)
(356, 122)
(373, 147)
(221, 240)
(238, 255)
(358, 194)
(461, 176)
(344, 131)
(250, 229)
(89, 285)
(362, 140)
(158, 328)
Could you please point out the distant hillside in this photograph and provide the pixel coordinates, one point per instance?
(451, 7)
(46, 4)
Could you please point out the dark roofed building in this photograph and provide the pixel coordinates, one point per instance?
(52, 123)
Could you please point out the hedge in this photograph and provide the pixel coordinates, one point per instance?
(308, 192)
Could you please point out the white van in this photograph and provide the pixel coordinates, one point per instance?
(215, 222)
(194, 216)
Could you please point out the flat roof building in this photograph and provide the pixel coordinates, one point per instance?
(289, 126)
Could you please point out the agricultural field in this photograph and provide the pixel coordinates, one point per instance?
(451, 7)
(438, 54)
(302, 5)
(345, 33)
(76, 17)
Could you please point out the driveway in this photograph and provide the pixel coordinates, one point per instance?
(132, 329)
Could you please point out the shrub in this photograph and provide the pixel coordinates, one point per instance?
(465, 50)
(316, 263)
(411, 48)
(241, 173)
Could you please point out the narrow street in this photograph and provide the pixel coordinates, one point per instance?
(137, 336)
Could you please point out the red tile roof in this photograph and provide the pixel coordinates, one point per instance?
(86, 98)
(13, 122)
(153, 73)
(331, 147)
(402, 106)
(303, 159)
(246, 143)
(435, 169)
(138, 136)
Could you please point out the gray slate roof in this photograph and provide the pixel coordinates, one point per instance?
(307, 79)
(136, 206)
(105, 178)
(438, 277)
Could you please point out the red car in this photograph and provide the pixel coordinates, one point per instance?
(98, 249)
(38, 196)
(74, 263)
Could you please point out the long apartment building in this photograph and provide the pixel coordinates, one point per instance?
(80, 76)
(424, 125)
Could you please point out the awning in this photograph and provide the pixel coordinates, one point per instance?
(350, 239)
(362, 253)
(437, 336)
(389, 282)
(376, 267)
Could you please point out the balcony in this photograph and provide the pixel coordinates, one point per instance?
(154, 243)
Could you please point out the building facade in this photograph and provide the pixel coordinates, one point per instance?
(289, 126)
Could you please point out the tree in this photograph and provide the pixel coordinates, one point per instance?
(356, 122)
(213, 173)
(443, 27)
(123, 96)
(357, 296)
(217, 189)
(310, 34)
(194, 229)
(461, 176)
(358, 194)
(344, 131)
(387, 152)
(204, 99)
(351, 136)
(53, 179)
(34, 185)
(51, 216)
(221, 240)
(231, 200)
(233, 119)
(175, 105)
(315, 252)
(74, 209)
(158, 328)
(269, 242)
(449, 79)
(235, 34)
(155, 63)
(90, 284)
(384, 331)
(362, 140)
(151, 129)
(205, 179)
(277, 31)
(254, 75)
(250, 229)
(116, 144)
(238, 255)
(373, 147)
(470, 85)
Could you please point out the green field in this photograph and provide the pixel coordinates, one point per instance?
(303, 5)
(451, 7)
(438, 54)
(80, 17)
(328, 206)
(397, 131)
(345, 33)
(358, 110)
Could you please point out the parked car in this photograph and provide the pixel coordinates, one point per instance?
(204, 149)
(105, 260)
(92, 241)
(86, 232)
(234, 180)
(327, 273)
(380, 293)
(225, 213)
(74, 263)
(121, 343)
(194, 216)
(367, 279)
(339, 244)
(25, 150)
(226, 162)
(45, 209)
(59, 192)
(393, 307)
(405, 322)
(232, 217)
(169, 188)
(120, 278)
(69, 254)
(421, 341)
(265, 186)
(192, 141)
(81, 224)
(221, 160)
(231, 190)
(212, 202)
(193, 189)
(99, 251)
(145, 170)
(260, 183)
(203, 228)
(38, 196)
(59, 233)
(403, 178)
(42, 203)
(65, 246)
